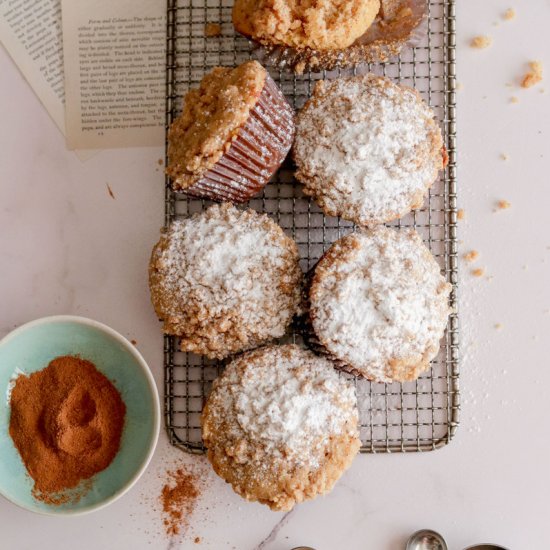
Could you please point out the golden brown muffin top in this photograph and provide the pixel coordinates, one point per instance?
(317, 24)
(212, 116)
(367, 149)
(225, 280)
(379, 304)
(281, 426)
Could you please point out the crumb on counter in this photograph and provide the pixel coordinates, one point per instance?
(514, 99)
(110, 191)
(471, 256)
(503, 205)
(197, 540)
(504, 156)
(160, 162)
(498, 326)
(534, 76)
(509, 14)
(461, 214)
(481, 42)
(459, 86)
(134, 342)
(212, 29)
(479, 272)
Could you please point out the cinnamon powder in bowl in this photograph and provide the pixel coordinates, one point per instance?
(79, 416)
(66, 422)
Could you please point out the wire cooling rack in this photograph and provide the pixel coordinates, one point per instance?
(414, 416)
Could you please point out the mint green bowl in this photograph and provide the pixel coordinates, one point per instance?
(30, 348)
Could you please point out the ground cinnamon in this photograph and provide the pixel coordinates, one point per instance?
(178, 499)
(66, 422)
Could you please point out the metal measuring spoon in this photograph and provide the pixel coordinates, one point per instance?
(421, 540)
(425, 539)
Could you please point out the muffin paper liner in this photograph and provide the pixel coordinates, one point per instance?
(256, 153)
(400, 24)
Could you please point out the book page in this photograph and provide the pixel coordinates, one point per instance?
(114, 72)
(30, 30)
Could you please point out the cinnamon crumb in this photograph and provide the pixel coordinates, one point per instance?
(134, 342)
(471, 256)
(479, 272)
(503, 205)
(300, 67)
(460, 214)
(509, 14)
(110, 191)
(534, 76)
(481, 42)
(212, 29)
(160, 162)
(404, 12)
(197, 540)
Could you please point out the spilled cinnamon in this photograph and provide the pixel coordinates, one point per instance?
(66, 422)
(178, 499)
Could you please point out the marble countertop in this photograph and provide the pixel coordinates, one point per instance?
(68, 247)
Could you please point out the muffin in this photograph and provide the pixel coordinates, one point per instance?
(322, 25)
(327, 34)
(366, 149)
(225, 281)
(233, 134)
(281, 426)
(378, 305)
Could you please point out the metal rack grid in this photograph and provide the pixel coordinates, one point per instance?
(414, 416)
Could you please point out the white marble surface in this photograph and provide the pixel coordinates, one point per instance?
(67, 247)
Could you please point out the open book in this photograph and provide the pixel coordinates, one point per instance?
(96, 65)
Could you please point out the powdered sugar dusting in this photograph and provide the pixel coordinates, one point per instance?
(225, 280)
(287, 401)
(380, 304)
(367, 149)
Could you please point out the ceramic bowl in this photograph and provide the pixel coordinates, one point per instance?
(30, 348)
